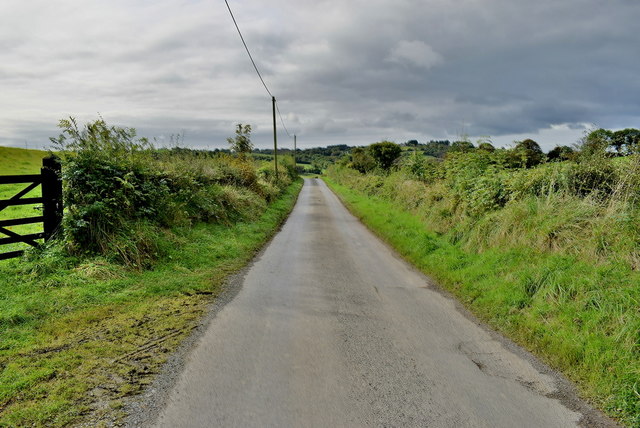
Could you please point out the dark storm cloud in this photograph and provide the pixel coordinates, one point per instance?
(503, 68)
(343, 72)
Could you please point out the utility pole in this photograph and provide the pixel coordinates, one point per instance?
(275, 135)
(294, 150)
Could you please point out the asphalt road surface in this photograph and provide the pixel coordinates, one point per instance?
(332, 329)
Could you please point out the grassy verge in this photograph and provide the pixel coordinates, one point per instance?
(77, 338)
(580, 317)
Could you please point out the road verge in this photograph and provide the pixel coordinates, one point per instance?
(80, 365)
(493, 284)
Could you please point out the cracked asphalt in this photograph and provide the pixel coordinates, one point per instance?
(330, 328)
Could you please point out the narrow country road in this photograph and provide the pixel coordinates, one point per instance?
(331, 329)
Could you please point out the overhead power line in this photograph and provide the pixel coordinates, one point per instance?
(256, 67)
(247, 49)
(281, 120)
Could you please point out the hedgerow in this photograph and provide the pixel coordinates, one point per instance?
(119, 191)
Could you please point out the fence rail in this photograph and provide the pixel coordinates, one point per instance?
(50, 181)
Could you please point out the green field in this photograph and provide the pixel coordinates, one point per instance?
(20, 161)
(14, 161)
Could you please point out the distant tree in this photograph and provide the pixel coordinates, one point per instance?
(487, 147)
(385, 153)
(361, 160)
(595, 142)
(437, 148)
(626, 141)
(529, 153)
(484, 144)
(462, 146)
(317, 165)
(560, 153)
(241, 143)
(411, 143)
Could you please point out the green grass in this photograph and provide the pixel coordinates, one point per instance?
(76, 338)
(15, 161)
(20, 161)
(579, 316)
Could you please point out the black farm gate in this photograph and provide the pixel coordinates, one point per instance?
(51, 200)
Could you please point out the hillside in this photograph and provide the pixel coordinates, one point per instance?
(14, 160)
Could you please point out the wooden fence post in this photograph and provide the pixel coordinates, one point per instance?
(52, 195)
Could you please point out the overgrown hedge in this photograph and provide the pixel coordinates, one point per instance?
(120, 192)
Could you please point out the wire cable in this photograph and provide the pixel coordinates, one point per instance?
(247, 49)
(281, 120)
(256, 67)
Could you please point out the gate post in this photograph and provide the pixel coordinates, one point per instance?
(52, 195)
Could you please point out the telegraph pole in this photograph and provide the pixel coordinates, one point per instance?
(294, 151)
(275, 135)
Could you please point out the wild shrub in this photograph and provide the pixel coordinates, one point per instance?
(487, 193)
(241, 203)
(560, 153)
(106, 183)
(474, 180)
(289, 167)
(593, 175)
(486, 146)
(384, 153)
(529, 153)
(541, 181)
(462, 146)
(119, 191)
(578, 207)
(627, 186)
(420, 167)
(287, 172)
(361, 160)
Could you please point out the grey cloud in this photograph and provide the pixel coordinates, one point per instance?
(415, 53)
(354, 72)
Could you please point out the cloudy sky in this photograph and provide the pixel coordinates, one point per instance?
(343, 71)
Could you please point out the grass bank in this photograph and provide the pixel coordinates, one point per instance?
(579, 315)
(77, 339)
